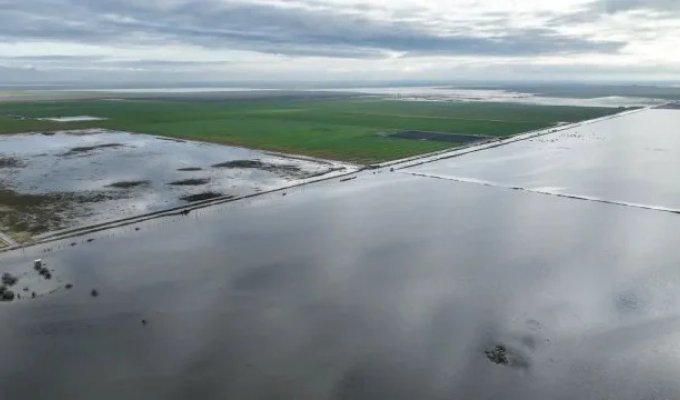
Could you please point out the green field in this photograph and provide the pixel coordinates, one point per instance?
(343, 129)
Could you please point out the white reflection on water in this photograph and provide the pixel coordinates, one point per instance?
(629, 160)
(389, 288)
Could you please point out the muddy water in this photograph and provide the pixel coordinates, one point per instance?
(630, 159)
(109, 162)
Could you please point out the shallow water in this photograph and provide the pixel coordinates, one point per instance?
(77, 118)
(389, 286)
(498, 95)
(92, 160)
(629, 159)
(383, 287)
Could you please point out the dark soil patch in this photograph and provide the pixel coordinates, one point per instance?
(128, 184)
(11, 162)
(190, 182)
(85, 149)
(201, 196)
(670, 106)
(190, 169)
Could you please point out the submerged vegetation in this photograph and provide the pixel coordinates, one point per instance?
(201, 196)
(257, 164)
(85, 149)
(25, 214)
(190, 182)
(128, 184)
(10, 162)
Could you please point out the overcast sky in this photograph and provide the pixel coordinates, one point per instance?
(240, 40)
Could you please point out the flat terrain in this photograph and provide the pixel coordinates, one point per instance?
(624, 160)
(349, 129)
(70, 180)
(389, 286)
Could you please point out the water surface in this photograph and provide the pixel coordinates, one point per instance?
(628, 159)
(138, 173)
(389, 286)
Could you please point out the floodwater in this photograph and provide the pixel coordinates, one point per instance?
(409, 93)
(388, 286)
(76, 118)
(430, 93)
(142, 173)
(629, 160)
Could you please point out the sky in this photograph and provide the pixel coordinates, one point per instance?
(338, 40)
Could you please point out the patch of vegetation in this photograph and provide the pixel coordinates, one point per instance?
(45, 273)
(9, 279)
(257, 164)
(240, 164)
(201, 196)
(190, 182)
(502, 355)
(6, 294)
(189, 169)
(128, 184)
(11, 162)
(498, 355)
(26, 214)
(344, 129)
(85, 149)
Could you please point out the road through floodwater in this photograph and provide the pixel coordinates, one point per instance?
(388, 286)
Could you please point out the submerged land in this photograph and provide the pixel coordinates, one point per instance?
(87, 158)
(545, 267)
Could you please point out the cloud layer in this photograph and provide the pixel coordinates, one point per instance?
(306, 36)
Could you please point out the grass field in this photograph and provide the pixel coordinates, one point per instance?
(344, 129)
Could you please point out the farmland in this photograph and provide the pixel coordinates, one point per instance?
(347, 129)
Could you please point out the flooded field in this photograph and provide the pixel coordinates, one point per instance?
(364, 291)
(52, 181)
(627, 160)
(453, 94)
(388, 286)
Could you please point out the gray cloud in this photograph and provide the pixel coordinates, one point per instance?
(74, 62)
(616, 6)
(597, 9)
(312, 29)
